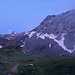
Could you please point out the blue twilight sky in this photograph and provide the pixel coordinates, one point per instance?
(24, 15)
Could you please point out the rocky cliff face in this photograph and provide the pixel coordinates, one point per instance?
(54, 36)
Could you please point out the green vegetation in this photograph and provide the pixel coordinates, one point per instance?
(14, 62)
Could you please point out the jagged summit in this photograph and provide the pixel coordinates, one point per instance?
(57, 23)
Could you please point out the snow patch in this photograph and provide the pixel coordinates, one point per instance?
(13, 33)
(44, 27)
(50, 45)
(23, 44)
(60, 42)
(43, 36)
(1, 46)
(8, 38)
(31, 34)
(26, 33)
(38, 34)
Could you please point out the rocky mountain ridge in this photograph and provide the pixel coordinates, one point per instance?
(54, 36)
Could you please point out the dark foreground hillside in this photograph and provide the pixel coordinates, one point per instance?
(14, 62)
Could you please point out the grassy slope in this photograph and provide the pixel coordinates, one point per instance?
(15, 62)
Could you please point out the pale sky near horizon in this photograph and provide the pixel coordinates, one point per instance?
(24, 15)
